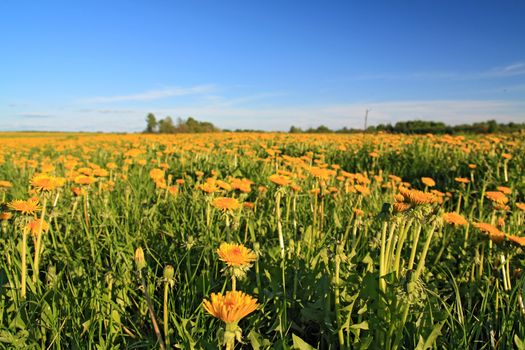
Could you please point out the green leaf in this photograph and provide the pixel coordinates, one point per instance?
(427, 344)
(300, 344)
(363, 325)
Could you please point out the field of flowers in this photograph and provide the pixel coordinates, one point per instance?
(262, 241)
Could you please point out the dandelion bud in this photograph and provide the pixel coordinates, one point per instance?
(169, 274)
(140, 261)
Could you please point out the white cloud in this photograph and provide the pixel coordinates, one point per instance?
(152, 94)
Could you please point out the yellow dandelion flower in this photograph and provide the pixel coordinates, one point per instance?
(494, 234)
(280, 180)
(497, 197)
(462, 180)
(84, 180)
(44, 182)
(428, 181)
(156, 174)
(34, 226)
(504, 189)
(5, 184)
(231, 307)
(226, 203)
(400, 207)
(29, 206)
(455, 219)
(418, 197)
(235, 254)
(5, 215)
(517, 240)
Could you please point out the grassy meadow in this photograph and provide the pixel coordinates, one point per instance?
(244, 240)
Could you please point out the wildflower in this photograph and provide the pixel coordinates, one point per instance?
(29, 206)
(156, 174)
(236, 254)
(427, 181)
(5, 215)
(140, 261)
(280, 180)
(517, 240)
(462, 180)
(494, 234)
(230, 308)
(504, 189)
(84, 180)
(400, 207)
(417, 197)
(5, 184)
(497, 197)
(520, 206)
(225, 203)
(34, 227)
(78, 191)
(44, 182)
(173, 190)
(243, 185)
(358, 212)
(365, 191)
(455, 219)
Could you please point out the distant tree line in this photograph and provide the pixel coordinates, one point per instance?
(166, 125)
(426, 127)
(422, 127)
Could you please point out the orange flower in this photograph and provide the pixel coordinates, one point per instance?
(5, 215)
(400, 207)
(44, 182)
(497, 197)
(280, 180)
(225, 203)
(84, 180)
(5, 184)
(34, 226)
(232, 307)
(418, 197)
(494, 234)
(455, 219)
(520, 206)
(365, 191)
(78, 191)
(236, 254)
(427, 181)
(29, 206)
(156, 174)
(173, 190)
(462, 180)
(504, 189)
(517, 240)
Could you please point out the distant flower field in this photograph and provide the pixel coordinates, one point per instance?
(245, 240)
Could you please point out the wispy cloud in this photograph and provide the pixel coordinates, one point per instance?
(35, 115)
(511, 70)
(152, 94)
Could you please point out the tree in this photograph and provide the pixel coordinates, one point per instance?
(166, 126)
(295, 130)
(152, 124)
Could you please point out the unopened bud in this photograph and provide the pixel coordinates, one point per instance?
(140, 261)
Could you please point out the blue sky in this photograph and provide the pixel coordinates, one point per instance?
(103, 65)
